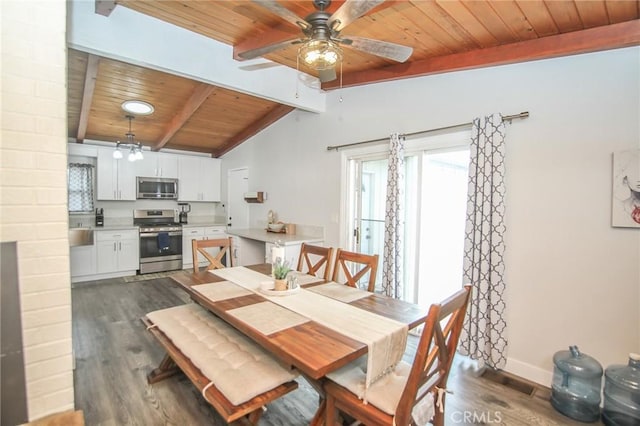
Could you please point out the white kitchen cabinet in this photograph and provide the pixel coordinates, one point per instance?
(199, 233)
(248, 251)
(189, 234)
(82, 150)
(157, 164)
(198, 178)
(116, 179)
(214, 232)
(291, 253)
(117, 251)
(82, 261)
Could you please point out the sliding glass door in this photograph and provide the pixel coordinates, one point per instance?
(435, 207)
(369, 191)
(442, 223)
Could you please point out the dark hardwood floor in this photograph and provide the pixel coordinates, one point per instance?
(114, 353)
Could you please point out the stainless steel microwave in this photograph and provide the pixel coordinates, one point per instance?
(152, 188)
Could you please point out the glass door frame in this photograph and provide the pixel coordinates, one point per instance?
(440, 141)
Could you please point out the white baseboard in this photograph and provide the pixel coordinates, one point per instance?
(529, 372)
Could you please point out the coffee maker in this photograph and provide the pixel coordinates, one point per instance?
(99, 217)
(184, 209)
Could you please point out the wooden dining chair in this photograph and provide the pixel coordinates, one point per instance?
(215, 262)
(314, 257)
(346, 260)
(409, 389)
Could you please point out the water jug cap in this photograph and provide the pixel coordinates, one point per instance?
(577, 363)
(634, 356)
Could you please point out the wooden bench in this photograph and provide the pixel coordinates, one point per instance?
(203, 349)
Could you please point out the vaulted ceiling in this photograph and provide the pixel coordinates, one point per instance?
(447, 35)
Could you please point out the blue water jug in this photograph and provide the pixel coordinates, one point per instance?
(622, 394)
(577, 379)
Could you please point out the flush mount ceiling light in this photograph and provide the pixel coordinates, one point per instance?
(135, 148)
(137, 107)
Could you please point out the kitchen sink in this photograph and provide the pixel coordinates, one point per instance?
(80, 237)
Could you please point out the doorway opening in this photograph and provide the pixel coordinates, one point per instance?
(436, 174)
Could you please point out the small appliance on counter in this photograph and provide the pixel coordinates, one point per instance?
(184, 209)
(99, 217)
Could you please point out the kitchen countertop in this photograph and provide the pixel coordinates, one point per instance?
(202, 224)
(108, 227)
(273, 237)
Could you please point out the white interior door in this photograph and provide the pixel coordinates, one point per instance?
(237, 207)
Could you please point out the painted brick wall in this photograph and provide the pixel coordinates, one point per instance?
(33, 192)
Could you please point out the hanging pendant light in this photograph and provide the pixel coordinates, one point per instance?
(135, 148)
(117, 154)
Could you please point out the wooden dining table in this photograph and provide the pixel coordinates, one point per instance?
(313, 349)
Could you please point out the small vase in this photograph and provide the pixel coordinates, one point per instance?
(280, 285)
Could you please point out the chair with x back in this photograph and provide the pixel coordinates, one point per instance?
(405, 395)
(363, 263)
(313, 258)
(215, 262)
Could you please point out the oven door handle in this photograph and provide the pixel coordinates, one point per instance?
(155, 234)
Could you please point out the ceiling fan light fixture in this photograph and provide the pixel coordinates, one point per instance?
(320, 54)
(137, 107)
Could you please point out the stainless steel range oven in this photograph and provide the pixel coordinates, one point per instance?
(160, 240)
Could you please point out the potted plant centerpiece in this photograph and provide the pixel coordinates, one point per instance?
(280, 270)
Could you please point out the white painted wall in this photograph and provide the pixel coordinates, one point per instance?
(572, 278)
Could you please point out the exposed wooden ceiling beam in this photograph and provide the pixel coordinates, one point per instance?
(90, 77)
(596, 39)
(105, 7)
(199, 95)
(269, 118)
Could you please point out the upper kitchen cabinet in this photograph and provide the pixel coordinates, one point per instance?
(198, 179)
(116, 178)
(156, 164)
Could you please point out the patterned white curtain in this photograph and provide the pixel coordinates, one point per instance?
(392, 271)
(80, 178)
(484, 337)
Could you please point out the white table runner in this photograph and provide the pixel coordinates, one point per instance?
(385, 338)
(306, 278)
(340, 292)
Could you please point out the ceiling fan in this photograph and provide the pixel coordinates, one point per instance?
(320, 48)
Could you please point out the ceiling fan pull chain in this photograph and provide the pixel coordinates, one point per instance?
(340, 99)
(297, 75)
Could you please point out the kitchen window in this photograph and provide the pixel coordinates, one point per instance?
(80, 187)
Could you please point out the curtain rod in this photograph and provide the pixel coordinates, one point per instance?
(508, 118)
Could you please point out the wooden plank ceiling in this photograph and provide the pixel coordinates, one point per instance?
(446, 35)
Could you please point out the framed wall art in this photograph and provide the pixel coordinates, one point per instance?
(625, 208)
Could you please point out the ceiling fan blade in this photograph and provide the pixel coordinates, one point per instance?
(264, 50)
(327, 75)
(349, 12)
(384, 49)
(260, 66)
(283, 12)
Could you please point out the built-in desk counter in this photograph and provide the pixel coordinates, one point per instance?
(254, 245)
(264, 236)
